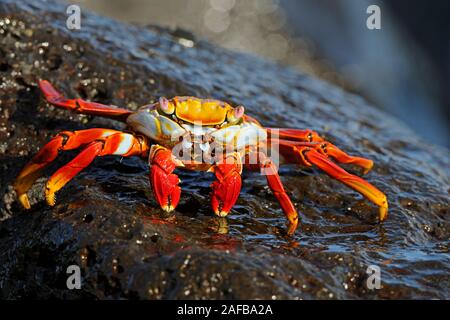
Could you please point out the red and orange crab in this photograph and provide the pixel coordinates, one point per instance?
(195, 134)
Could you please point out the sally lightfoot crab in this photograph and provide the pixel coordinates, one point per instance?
(194, 134)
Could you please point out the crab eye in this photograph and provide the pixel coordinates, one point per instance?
(236, 114)
(239, 112)
(166, 106)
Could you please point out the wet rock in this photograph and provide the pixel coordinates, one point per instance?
(107, 222)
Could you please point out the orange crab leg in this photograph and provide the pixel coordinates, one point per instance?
(274, 182)
(79, 105)
(112, 141)
(65, 140)
(294, 134)
(343, 157)
(327, 149)
(354, 182)
(163, 181)
(70, 170)
(227, 186)
(307, 154)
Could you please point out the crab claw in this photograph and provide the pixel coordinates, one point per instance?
(226, 189)
(164, 183)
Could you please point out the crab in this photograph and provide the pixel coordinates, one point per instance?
(193, 134)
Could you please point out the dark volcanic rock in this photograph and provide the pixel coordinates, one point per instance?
(107, 222)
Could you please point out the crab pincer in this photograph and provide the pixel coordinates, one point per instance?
(164, 183)
(227, 186)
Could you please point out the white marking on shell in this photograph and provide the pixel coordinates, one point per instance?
(226, 135)
(146, 123)
(125, 145)
(250, 135)
(155, 126)
(187, 144)
(240, 136)
(204, 146)
(170, 128)
(163, 129)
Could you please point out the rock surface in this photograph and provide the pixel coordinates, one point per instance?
(107, 222)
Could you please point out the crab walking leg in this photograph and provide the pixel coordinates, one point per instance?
(325, 148)
(294, 134)
(67, 172)
(121, 144)
(164, 183)
(67, 140)
(354, 182)
(273, 180)
(34, 168)
(312, 154)
(297, 135)
(227, 186)
(81, 106)
(340, 156)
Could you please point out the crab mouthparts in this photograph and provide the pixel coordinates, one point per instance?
(204, 146)
(196, 142)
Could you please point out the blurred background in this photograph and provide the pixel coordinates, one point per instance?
(404, 68)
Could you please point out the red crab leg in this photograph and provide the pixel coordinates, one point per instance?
(354, 182)
(65, 140)
(294, 136)
(273, 180)
(307, 154)
(325, 148)
(113, 142)
(81, 106)
(164, 183)
(342, 157)
(227, 186)
(67, 172)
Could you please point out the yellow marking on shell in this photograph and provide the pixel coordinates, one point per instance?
(169, 127)
(204, 112)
